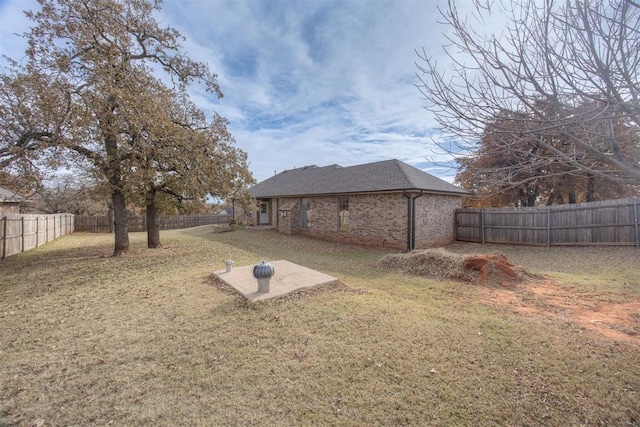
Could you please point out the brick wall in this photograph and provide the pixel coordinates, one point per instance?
(286, 215)
(435, 216)
(377, 220)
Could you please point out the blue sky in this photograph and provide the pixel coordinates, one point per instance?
(307, 81)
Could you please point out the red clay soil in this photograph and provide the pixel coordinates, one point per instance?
(494, 268)
(503, 283)
(618, 320)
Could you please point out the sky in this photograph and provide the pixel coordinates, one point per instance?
(306, 82)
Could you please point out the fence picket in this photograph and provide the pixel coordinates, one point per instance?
(22, 232)
(100, 223)
(611, 222)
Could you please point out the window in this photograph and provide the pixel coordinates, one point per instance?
(343, 213)
(305, 215)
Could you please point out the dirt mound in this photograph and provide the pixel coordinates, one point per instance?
(441, 264)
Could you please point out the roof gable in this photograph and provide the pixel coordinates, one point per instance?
(389, 175)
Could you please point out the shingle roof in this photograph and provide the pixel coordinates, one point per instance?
(389, 175)
(9, 196)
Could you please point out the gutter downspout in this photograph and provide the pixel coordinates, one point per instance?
(408, 196)
(411, 219)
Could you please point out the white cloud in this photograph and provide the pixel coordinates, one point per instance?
(319, 82)
(307, 82)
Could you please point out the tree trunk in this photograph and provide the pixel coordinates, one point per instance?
(110, 217)
(113, 173)
(551, 198)
(120, 223)
(153, 228)
(591, 188)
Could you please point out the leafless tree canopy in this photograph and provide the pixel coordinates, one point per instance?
(558, 85)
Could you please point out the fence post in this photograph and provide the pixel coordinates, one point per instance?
(455, 225)
(482, 224)
(635, 220)
(4, 237)
(548, 226)
(22, 233)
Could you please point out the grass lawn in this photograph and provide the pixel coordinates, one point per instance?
(151, 339)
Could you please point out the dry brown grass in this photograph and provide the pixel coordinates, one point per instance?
(613, 310)
(150, 339)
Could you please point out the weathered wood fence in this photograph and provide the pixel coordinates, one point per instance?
(102, 224)
(611, 222)
(24, 232)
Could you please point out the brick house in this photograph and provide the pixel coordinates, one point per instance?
(381, 204)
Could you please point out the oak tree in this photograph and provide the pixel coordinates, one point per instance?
(102, 52)
(182, 158)
(33, 118)
(508, 169)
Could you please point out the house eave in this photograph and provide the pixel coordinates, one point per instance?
(350, 193)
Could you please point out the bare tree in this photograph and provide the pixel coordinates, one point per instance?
(562, 75)
(72, 192)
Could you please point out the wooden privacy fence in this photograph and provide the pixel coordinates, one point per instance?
(24, 232)
(103, 224)
(611, 222)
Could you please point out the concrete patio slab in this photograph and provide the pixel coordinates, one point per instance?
(288, 277)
